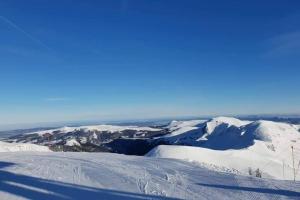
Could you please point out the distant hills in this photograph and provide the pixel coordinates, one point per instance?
(221, 143)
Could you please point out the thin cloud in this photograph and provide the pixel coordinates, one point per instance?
(28, 35)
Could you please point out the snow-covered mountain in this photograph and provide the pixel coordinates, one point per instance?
(222, 143)
(64, 176)
(96, 128)
(99, 138)
(235, 145)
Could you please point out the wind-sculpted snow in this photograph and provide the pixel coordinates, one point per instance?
(65, 176)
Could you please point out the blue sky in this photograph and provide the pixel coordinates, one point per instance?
(78, 60)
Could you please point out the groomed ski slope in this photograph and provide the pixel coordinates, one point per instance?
(53, 175)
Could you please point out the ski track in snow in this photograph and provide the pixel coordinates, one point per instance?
(113, 176)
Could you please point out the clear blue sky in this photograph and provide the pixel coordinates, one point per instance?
(75, 60)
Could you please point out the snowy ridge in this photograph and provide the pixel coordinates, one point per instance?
(179, 127)
(215, 123)
(224, 133)
(195, 132)
(237, 145)
(270, 131)
(107, 128)
(17, 147)
(175, 125)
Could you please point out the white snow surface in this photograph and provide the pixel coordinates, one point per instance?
(72, 142)
(215, 122)
(234, 161)
(235, 145)
(193, 132)
(20, 147)
(64, 176)
(179, 127)
(108, 128)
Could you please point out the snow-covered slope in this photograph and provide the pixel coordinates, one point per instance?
(72, 142)
(15, 147)
(179, 127)
(219, 133)
(100, 128)
(235, 145)
(234, 161)
(63, 176)
(104, 138)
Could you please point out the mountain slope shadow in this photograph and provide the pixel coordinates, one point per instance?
(224, 137)
(41, 189)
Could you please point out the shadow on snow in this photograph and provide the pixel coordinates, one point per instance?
(37, 188)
